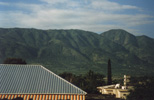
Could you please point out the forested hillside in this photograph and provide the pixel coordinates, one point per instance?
(79, 51)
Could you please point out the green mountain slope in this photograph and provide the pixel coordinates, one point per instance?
(79, 51)
(146, 49)
(140, 48)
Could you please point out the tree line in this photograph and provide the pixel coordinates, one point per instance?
(14, 61)
(87, 82)
(143, 89)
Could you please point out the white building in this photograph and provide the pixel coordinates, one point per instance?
(116, 89)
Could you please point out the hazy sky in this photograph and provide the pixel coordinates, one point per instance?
(134, 16)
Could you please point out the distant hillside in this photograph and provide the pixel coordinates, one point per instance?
(79, 51)
(140, 46)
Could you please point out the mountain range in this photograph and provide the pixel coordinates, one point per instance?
(79, 51)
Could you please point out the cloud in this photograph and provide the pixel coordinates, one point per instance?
(61, 4)
(3, 3)
(91, 15)
(55, 1)
(110, 6)
(103, 5)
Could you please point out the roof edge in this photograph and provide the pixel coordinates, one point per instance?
(64, 80)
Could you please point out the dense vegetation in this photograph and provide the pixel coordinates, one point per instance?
(79, 51)
(144, 90)
(88, 82)
(14, 61)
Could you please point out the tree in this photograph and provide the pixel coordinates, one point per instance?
(88, 82)
(93, 80)
(109, 76)
(143, 91)
(14, 61)
(68, 76)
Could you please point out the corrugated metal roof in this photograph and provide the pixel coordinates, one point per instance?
(33, 79)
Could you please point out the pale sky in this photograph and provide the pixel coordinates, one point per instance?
(134, 16)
